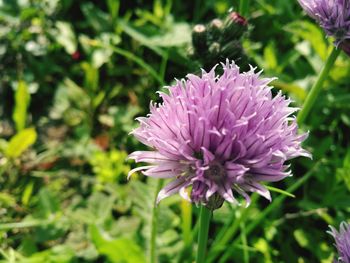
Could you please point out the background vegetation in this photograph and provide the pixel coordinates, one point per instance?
(75, 74)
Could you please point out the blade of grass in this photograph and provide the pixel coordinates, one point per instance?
(25, 224)
(186, 215)
(280, 191)
(140, 62)
(244, 7)
(245, 243)
(153, 255)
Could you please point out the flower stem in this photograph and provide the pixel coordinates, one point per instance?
(152, 255)
(186, 215)
(317, 87)
(243, 7)
(204, 220)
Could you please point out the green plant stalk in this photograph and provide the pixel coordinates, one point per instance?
(245, 243)
(317, 87)
(272, 207)
(25, 224)
(154, 219)
(244, 7)
(204, 220)
(140, 62)
(186, 214)
(230, 231)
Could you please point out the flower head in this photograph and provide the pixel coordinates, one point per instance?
(332, 15)
(219, 135)
(342, 241)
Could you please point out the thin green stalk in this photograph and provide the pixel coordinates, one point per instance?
(25, 224)
(244, 7)
(153, 255)
(317, 87)
(140, 62)
(244, 243)
(204, 220)
(163, 65)
(186, 215)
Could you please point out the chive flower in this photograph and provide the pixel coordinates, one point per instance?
(218, 137)
(333, 16)
(342, 242)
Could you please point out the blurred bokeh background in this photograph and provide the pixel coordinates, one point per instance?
(75, 74)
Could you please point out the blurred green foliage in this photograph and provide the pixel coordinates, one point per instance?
(75, 74)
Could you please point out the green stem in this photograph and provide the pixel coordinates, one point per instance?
(244, 243)
(153, 255)
(140, 62)
(186, 215)
(243, 7)
(317, 87)
(204, 219)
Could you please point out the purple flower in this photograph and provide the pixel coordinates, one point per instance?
(332, 15)
(342, 241)
(220, 135)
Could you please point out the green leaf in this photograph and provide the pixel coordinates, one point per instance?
(27, 193)
(301, 238)
(48, 202)
(116, 250)
(344, 172)
(270, 56)
(179, 34)
(22, 100)
(91, 76)
(291, 88)
(66, 37)
(57, 254)
(277, 190)
(20, 142)
(310, 32)
(7, 200)
(100, 57)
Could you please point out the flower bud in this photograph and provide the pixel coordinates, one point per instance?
(214, 49)
(215, 202)
(215, 29)
(234, 26)
(199, 38)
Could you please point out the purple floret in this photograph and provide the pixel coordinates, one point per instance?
(342, 242)
(332, 15)
(219, 136)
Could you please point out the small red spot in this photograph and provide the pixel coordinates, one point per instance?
(76, 55)
(237, 18)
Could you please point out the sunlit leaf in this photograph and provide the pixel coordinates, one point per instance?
(66, 37)
(121, 250)
(21, 142)
(22, 100)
